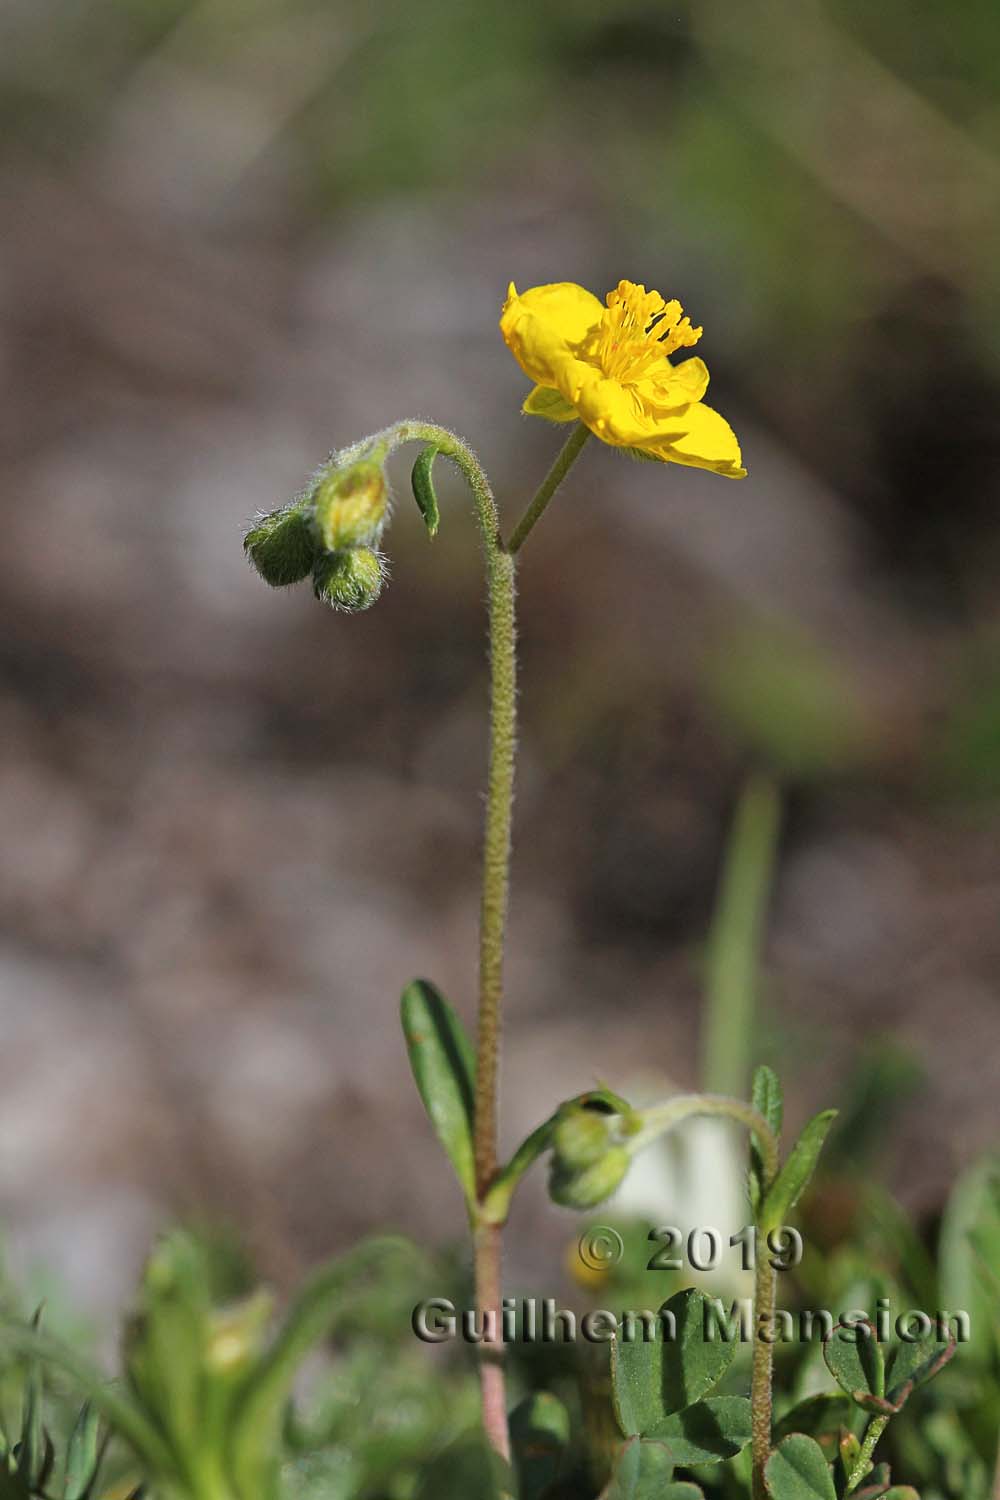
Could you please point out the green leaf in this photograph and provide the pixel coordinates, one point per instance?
(854, 1358)
(820, 1417)
(122, 1413)
(901, 1492)
(767, 1097)
(643, 1472)
(443, 1065)
(969, 1256)
(707, 1432)
(797, 1470)
(83, 1454)
(539, 1434)
(259, 1408)
(655, 1378)
(423, 488)
(31, 1447)
(793, 1179)
(768, 1100)
(913, 1363)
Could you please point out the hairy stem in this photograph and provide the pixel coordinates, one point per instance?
(875, 1430)
(761, 1375)
(663, 1117)
(553, 479)
(501, 587)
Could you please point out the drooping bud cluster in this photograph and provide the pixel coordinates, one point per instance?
(332, 531)
(589, 1161)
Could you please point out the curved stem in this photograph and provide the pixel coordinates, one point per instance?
(553, 479)
(493, 906)
(663, 1117)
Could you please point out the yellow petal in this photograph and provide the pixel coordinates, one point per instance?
(548, 324)
(551, 404)
(617, 413)
(674, 386)
(707, 442)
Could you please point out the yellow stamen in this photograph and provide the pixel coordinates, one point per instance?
(638, 331)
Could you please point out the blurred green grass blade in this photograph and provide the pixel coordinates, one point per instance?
(120, 1411)
(733, 969)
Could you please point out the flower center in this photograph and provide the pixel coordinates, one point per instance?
(638, 330)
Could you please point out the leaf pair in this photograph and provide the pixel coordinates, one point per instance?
(798, 1470)
(878, 1381)
(660, 1384)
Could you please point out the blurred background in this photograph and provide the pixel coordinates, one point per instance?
(234, 824)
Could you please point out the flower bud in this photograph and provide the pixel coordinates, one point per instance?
(349, 505)
(350, 580)
(591, 1185)
(281, 546)
(235, 1335)
(580, 1137)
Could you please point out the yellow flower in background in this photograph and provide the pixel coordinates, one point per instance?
(609, 367)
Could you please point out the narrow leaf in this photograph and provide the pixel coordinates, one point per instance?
(260, 1406)
(793, 1179)
(443, 1065)
(122, 1414)
(83, 1454)
(423, 488)
(768, 1100)
(797, 1470)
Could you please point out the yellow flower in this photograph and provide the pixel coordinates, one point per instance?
(609, 367)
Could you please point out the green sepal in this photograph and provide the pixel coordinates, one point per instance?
(653, 1379)
(281, 546)
(539, 1435)
(545, 401)
(797, 1470)
(423, 488)
(601, 1100)
(443, 1065)
(793, 1179)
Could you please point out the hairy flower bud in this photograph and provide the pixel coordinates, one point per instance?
(281, 546)
(350, 580)
(580, 1137)
(349, 505)
(591, 1185)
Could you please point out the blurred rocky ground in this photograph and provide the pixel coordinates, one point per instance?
(235, 824)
